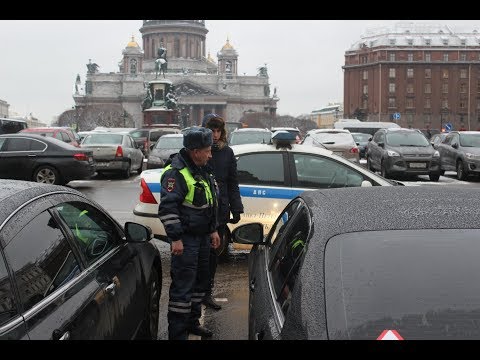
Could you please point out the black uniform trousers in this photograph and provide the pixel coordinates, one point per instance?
(190, 278)
(214, 259)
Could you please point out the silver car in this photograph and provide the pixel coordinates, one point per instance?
(341, 142)
(114, 152)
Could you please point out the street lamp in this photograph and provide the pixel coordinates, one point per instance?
(125, 115)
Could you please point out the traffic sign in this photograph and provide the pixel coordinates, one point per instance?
(396, 116)
(390, 335)
(448, 127)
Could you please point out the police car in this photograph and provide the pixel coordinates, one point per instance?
(270, 175)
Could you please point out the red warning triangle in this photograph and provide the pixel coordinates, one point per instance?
(390, 335)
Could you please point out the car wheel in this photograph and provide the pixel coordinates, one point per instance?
(126, 173)
(149, 328)
(442, 172)
(47, 175)
(434, 177)
(140, 169)
(461, 174)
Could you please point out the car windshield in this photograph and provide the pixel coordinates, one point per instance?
(106, 139)
(333, 137)
(403, 138)
(470, 140)
(170, 142)
(361, 138)
(251, 137)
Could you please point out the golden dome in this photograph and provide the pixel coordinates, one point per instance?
(132, 43)
(210, 58)
(227, 46)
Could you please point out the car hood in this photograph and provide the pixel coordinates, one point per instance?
(412, 150)
(471, 150)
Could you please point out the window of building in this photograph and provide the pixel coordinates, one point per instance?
(133, 66)
(365, 89)
(391, 72)
(392, 42)
(463, 41)
(445, 73)
(391, 102)
(427, 104)
(428, 73)
(410, 41)
(444, 103)
(463, 104)
(409, 103)
(391, 87)
(410, 73)
(428, 88)
(445, 57)
(444, 88)
(463, 88)
(391, 56)
(410, 117)
(410, 57)
(409, 88)
(478, 87)
(445, 41)
(428, 57)
(428, 41)
(365, 75)
(463, 57)
(427, 118)
(176, 47)
(363, 59)
(463, 73)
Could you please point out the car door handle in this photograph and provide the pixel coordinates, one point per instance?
(252, 285)
(110, 288)
(32, 155)
(57, 335)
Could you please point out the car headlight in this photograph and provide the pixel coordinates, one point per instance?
(472, 156)
(436, 154)
(392, 153)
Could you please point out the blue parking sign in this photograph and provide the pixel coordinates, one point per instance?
(396, 116)
(448, 127)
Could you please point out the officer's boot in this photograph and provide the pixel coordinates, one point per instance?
(208, 300)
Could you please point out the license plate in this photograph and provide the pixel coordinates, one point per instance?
(102, 164)
(418, 165)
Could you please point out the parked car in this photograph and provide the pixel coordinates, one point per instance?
(116, 152)
(437, 139)
(270, 175)
(65, 134)
(165, 146)
(147, 137)
(460, 152)
(402, 151)
(341, 142)
(408, 269)
(68, 270)
(231, 126)
(250, 136)
(361, 139)
(32, 157)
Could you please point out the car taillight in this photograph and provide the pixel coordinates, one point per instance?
(354, 150)
(80, 157)
(146, 196)
(119, 152)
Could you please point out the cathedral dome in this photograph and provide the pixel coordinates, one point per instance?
(133, 43)
(227, 46)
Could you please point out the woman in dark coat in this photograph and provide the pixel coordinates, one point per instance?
(224, 167)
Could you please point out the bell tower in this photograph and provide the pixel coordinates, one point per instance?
(227, 61)
(132, 62)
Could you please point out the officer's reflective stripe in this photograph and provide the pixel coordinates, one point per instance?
(197, 297)
(169, 216)
(171, 222)
(196, 207)
(180, 304)
(177, 310)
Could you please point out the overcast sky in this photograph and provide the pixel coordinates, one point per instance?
(41, 58)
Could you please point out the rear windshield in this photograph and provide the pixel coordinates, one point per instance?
(239, 138)
(333, 138)
(105, 139)
(423, 284)
(169, 143)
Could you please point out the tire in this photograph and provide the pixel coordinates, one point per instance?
(47, 175)
(434, 177)
(461, 174)
(140, 169)
(442, 172)
(149, 330)
(126, 173)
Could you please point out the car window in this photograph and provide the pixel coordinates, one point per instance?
(37, 145)
(41, 259)
(447, 140)
(281, 223)
(261, 169)
(65, 137)
(23, 144)
(287, 255)
(378, 137)
(8, 309)
(59, 136)
(94, 233)
(470, 140)
(2, 141)
(321, 172)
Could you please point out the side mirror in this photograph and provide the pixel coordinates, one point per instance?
(366, 183)
(137, 232)
(251, 233)
(382, 145)
(152, 146)
(455, 145)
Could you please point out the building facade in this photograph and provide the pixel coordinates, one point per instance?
(201, 85)
(418, 75)
(325, 117)
(4, 106)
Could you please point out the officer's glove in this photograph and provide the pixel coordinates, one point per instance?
(235, 219)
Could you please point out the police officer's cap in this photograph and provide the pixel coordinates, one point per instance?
(197, 138)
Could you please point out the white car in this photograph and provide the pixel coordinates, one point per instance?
(270, 175)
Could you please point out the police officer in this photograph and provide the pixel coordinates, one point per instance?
(188, 210)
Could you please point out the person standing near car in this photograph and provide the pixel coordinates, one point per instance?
(224, 166)
(188, 211)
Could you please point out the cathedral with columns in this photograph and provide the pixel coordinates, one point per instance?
(202, 85)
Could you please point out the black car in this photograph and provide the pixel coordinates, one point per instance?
(408, 269)
(31, 157)
(397, 152)
(68, 270)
